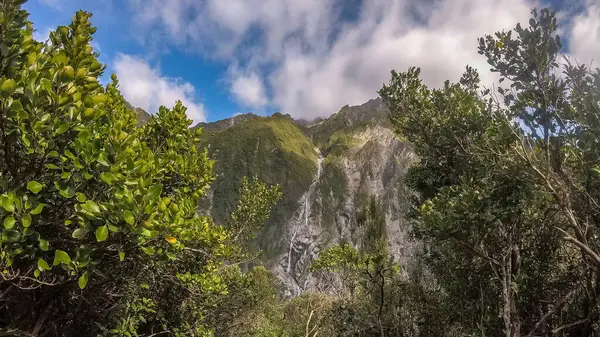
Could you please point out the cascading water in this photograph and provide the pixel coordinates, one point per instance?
(303, 214)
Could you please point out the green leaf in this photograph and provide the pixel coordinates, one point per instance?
(34, 186)
(62, 128)
(146, 232)
(80, 197)
(128, 216)
(121, 254)
(36, 273)
(107, 177)
(83, 280)
(43, 265)
(91, 206)
(67, 193)
(84, 135)
(43, 245)
(148, 250)
(7, 203)
(155, 191)
(9, 222)
(79, 233)
(101, 233)
(26, 220)
(144, 286)
(61, 257)
(38, 209)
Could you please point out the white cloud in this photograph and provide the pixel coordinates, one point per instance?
(41, 35)
(249, 90)
(313, 62)
(145, 88)
(584, 35)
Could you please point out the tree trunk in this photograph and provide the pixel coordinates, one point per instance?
(510, 313)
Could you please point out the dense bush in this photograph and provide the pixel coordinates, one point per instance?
(100, 232)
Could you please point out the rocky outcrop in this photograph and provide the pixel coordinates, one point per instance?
(374, 164)
(356, 155)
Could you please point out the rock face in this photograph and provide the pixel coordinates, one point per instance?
(327, 170)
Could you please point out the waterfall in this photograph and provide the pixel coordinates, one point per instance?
(304, 212)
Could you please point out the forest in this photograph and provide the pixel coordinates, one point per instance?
(102, 235)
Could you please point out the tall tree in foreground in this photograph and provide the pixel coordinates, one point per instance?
(100, 233)
(508, 188)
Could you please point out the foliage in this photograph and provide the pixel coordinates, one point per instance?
(499, 187)
(100, 232)
(253, 208)
(272, 149)
(368, 273)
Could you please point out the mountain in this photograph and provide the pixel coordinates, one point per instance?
(142, 115)
(327, 169)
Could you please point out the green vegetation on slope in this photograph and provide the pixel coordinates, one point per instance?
(275, 150)
(100, 233)
(349, 119)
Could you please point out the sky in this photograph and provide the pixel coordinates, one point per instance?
(307, 58)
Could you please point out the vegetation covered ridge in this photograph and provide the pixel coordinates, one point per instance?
(102, 235)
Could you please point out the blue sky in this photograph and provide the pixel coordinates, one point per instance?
(303, 57)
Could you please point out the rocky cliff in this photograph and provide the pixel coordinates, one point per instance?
(326, 170)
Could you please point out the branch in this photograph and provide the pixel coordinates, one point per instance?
(582, 246)
(555, 308)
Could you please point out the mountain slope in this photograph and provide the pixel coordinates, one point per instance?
(275, 150)
(326, 170)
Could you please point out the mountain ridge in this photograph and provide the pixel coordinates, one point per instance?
(327, 169)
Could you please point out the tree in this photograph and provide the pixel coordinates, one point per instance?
(494, 184)
(100, 228)
(556, 140)
(371, 269)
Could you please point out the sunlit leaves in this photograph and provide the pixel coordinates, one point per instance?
(83, 280)
(43, 265)
(34, 186)
(84, 185)
(26, 220)
(101, 233)
(7, 202)
(128, 216)
(37, 209)
(61, 257)
(9, 222)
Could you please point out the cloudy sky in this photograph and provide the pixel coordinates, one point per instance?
(307, 58)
